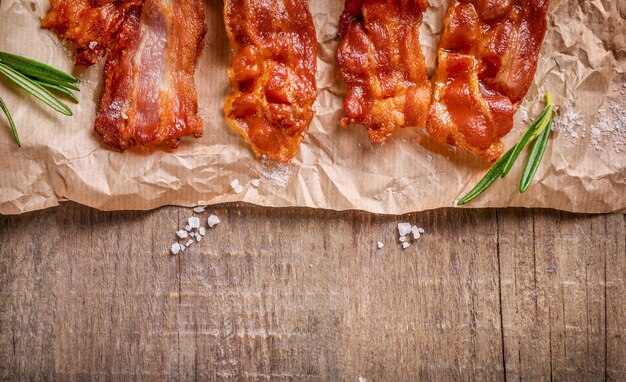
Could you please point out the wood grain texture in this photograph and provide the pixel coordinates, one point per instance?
(298, 294)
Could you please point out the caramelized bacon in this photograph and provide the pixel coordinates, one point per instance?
(149, 95)
(382, 63)
(272, 73)
(90, 24)
(486, 63)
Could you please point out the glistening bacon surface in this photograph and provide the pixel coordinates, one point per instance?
(486, 63)
(149, 95)
(382, 63)
(272, 73)
(90, 24)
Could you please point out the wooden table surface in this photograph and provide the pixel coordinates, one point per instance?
(299, 294)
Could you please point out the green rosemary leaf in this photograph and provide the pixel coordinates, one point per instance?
(536, 154)
(535, 128)
(35, 89)
(38, 70)
(4, 108)
(537, 125)
(58, 88)
(487, 180)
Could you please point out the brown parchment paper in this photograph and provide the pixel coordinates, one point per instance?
(583, 64)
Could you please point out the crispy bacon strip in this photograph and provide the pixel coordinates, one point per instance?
(382, 63)
(272, 73)
(149, 95)
(90, 24)
(486, 63)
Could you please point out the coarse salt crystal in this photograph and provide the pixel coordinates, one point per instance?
(416, 232)
(175, 248)
(255, 182)
(405, 245)
(213, 220)
(193, 234)
(188, 243)
(236, 186)
(402, 239)
(202, 231)
(93, 44)
(198, 210)
(198, 237)
(194, 222)
(182, 234)
(420, 230)
(182, 247)
(380, 244)
(404, 228)
(188, 227)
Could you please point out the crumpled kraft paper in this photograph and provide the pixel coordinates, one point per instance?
(583, 64)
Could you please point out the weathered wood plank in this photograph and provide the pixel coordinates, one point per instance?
(555, 282)
(88, 294)
(282, 294)
(614, 235)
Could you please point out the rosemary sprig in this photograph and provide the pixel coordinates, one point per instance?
(38, 70)
(39, 80)
(536, 153)
(35, 89)
(535, 128)
(58, 88)
(540, 126)
(5, 109)
(488, 179)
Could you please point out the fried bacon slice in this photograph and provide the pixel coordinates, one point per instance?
(90, 24)
(149, 95)
(382, 63)
(486, 63)
(272, 74)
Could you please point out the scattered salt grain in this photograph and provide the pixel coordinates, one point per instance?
(198, 237)
(255, 182)
(198, 210)
(175, 248)
(193, 234)
(236, 186)
(194, 222)
(415, 232)
(421, 230)
(404, 228)
(188, 227)
(611, 124)
(182, 234)
(93, 44)
(188, 243)
(202, 231)
(380, 244)
(570, 123)
(213, 220)
(182, 247)
(278, 173)
(405, 245)
(123, 114)
(402, 239)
